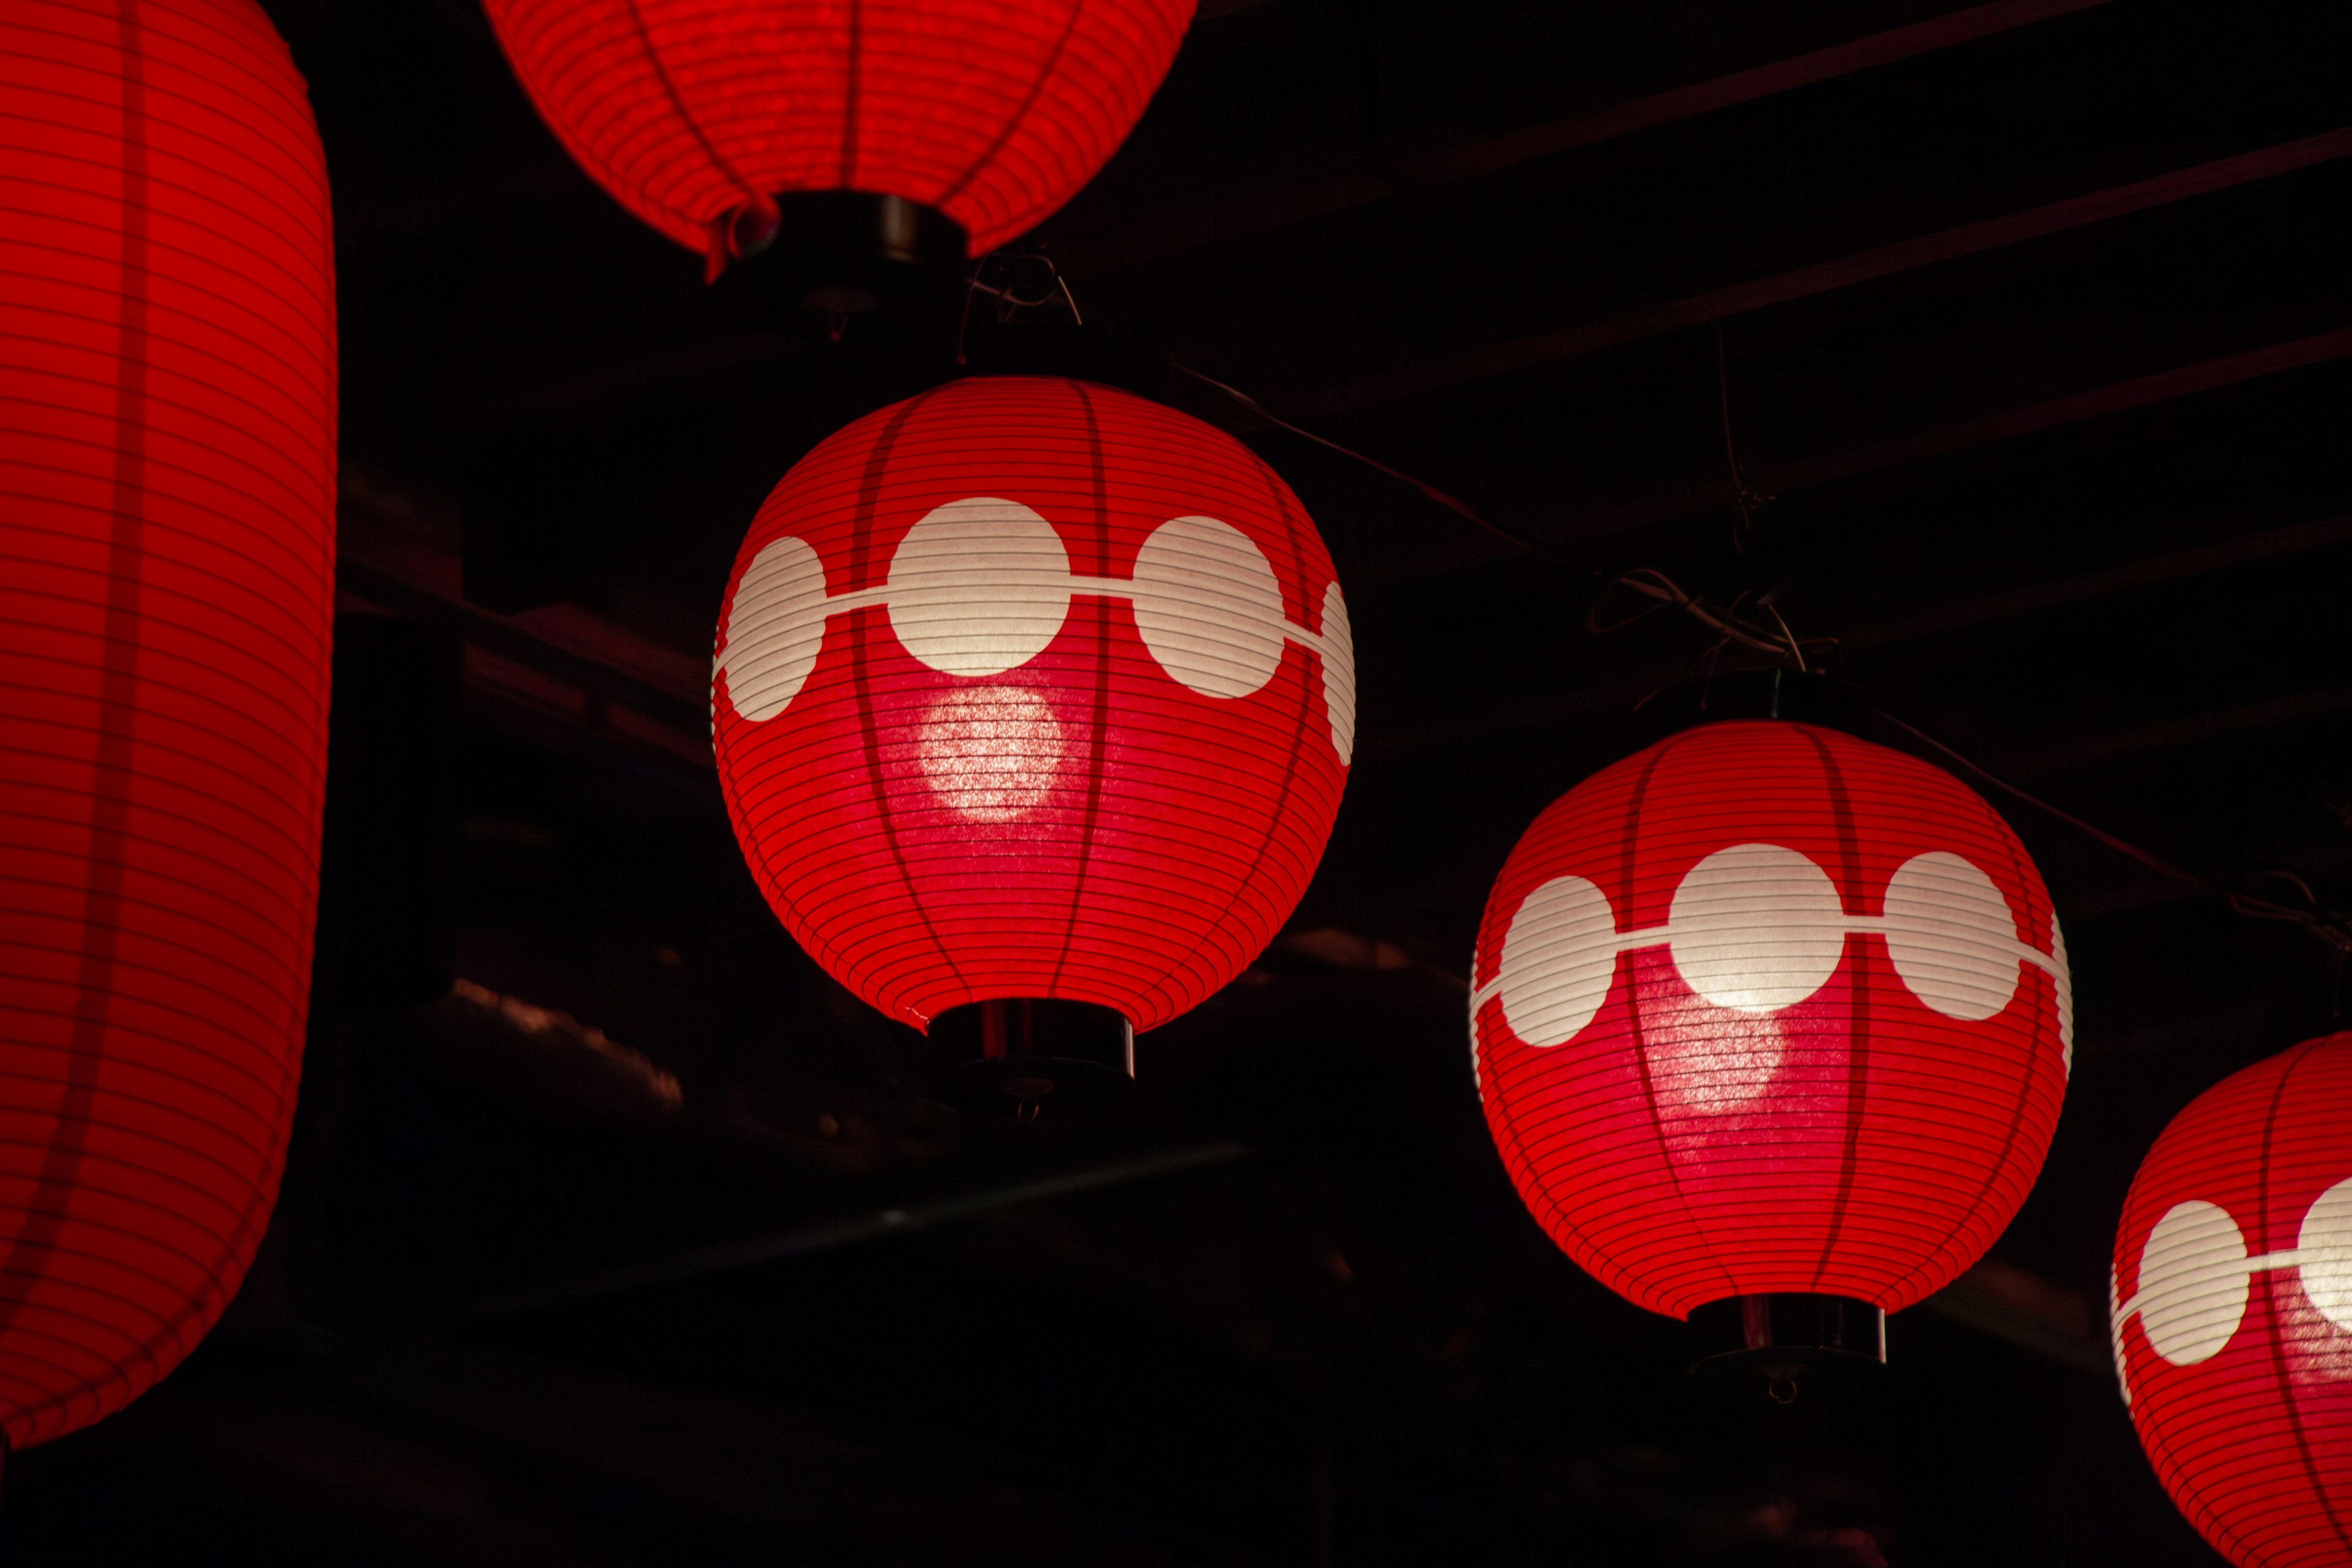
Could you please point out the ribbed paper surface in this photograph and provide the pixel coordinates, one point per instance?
(2232, 1310)
(1768, 1008)
(994, 111)
(1031, 688)
(167, 469)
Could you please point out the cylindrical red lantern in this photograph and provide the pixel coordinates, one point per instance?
(2231, 1306)
(695, 113)
(1769, 1010)
(1029, 688)
(167, 456)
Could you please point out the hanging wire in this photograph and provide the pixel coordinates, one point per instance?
(1006, 293)
(1452, 503)
(1744, 495)
(1775, 640)
(2331, 926)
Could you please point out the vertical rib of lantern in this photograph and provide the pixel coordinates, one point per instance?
(2314, 1474)
(2249, 1430)
(167, 460)
(994, 112)
(1072, 821)
(1855, 1142)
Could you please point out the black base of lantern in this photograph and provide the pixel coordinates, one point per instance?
(840, 254)
(1022, 1055)
(1777, 1345)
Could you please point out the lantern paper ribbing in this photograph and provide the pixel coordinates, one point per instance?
(994, 111)
(167, 461)
(1768, 1009)
(2231, 1306)
(1027, 686)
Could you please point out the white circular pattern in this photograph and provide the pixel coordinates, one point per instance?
(991, 754)
(981, 586)
(2193, 1282)
(1756, 927)
(1209, 607)
(2326, 1243)
(773, 629)
(2062, 979)
(1951, 936)
(1339, 673)
(978, 587)
(1558, 958)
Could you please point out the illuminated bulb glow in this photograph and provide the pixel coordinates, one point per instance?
(1032, 688)
(1766, 1008)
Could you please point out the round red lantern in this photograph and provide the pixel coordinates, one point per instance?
(167, 452)
(697, 114)
(2231, 1308)
(1768, 1010)
(1027, 687)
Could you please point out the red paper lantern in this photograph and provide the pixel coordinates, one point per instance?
(1028, 688)
(167, 456)
(1767, 1009)
(692, 111)
(2231, 1308)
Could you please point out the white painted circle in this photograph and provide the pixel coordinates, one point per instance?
(1209, 607)
(773, 629)
(2115, 1332)
(2065, 984)
(1339, 673)
(2326, 1243)
(1558, 958)
(979, 586)
(1951, 936)
(1756, 927)
(991, 754)
(2193, 1282)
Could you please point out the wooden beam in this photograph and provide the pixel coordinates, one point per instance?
(2248, 549)
(1967, 434)
(1739, 298)
(1322, 199)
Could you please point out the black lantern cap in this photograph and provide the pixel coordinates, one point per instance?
(1022, 1055)
(1776, 1343)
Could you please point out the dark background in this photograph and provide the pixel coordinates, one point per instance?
(639, 1246)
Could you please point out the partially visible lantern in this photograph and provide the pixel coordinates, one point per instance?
(2231, 1308)
(167, 453)
(1765, 1010)
(1027, 687)
(697, 114)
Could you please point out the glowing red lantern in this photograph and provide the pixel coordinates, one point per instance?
(1769, 1010)
(696, 114)
(167, 451)
(2232, 1308)
(1029, 688)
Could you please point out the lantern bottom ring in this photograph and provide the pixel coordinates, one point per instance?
(1018, 1055)
(838, 253)
(1779, 1343)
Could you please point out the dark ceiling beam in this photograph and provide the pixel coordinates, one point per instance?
(2239, 550)
(2177, 734)
(824, 1236)
(1821, 277)
(1965, 436)
(1322, 199)
(2252, 548)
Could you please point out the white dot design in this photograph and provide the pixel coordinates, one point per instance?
(982, 586)
(2196, 1277)
(1758, 928)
